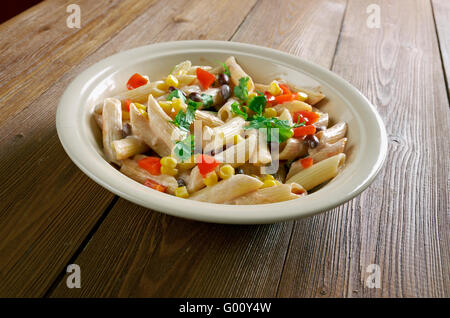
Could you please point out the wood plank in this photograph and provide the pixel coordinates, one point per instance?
(140, 253)
(441, 10)
(31, 204)
(19, 92)
(401, 221)
(44, 33)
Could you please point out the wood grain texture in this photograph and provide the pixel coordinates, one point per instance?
(441, 10)
(20, 91)
(401, 221)
(31, 203)
(141, 253)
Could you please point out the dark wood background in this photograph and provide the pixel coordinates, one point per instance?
(52, 215)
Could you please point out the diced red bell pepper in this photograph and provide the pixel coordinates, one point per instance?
(135, 81)
(286, 90)
(205, 78)
(270, 98)
(304, 131)
(151, 164)
(306, 162)
(206, 164)
(305, 116)
(155, 185)
(280, 99)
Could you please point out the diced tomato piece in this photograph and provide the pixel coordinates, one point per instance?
(127, 104)
(306, 162)
(135, 81)
(270, 98)
(205, 78)
(155, 185)
(206, 164)
(305, 116)
(151, 164)
(280, 99)
(286, 90)
(304, 131)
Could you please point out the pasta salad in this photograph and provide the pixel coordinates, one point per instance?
(212, 134)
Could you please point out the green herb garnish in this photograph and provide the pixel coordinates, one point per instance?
(176, 93)
(236, 109)
(207, 100)
(226, 70)
(184, 119)
(257, 104)
(284, 128)
(241, 90)
(185, 148)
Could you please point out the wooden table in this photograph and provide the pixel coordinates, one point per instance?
(52, 215)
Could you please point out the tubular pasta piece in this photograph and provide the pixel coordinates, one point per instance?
(131, 169)
(112, 127)
(228, 189)
(237, 73)
(319, 172)
(279, 193)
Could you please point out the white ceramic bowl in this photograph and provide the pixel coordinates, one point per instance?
(80, 137)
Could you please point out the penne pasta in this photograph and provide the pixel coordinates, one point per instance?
(229, 189)
(112, 127)
(286, 115)
(323, 152)
(216, 137)
(237, 73)
(279, 193)
(332, 134)
(225, 113)
(128, 147)
(291, 149)
(131, 169)
(319, 172)
(292, 107)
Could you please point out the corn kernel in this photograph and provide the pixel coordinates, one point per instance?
(140, 106)
(268, 177)
(275, 89)
(178, 104)
(166, 106)
(162, 86)
(181, 192)
(211, 179)
(302, 96)
(237, 139)
(172, 81)
(169, 162)
(168, 171)
(270, 112)
(268, 184)
(125, 115)
(226, 171)
(143, 112)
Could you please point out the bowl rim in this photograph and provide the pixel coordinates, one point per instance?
(71, 137)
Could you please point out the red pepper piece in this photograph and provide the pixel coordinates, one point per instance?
(305, 116)
(151, 164)
(304, 131)
(135, 81)
(206, 164)
(205, 78)
(306, 162)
